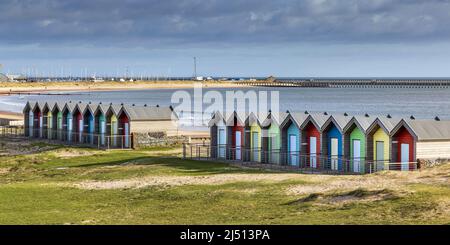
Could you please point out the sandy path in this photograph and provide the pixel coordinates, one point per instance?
(168, 181)
(386, 180)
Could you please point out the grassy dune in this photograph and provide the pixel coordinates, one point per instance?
(51, 184)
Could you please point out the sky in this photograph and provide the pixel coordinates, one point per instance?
(252, 38)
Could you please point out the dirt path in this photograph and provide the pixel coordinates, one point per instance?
(168, 181)
(314, 183)
(385, 180)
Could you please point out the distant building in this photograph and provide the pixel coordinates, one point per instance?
(3, 78)
(96, 79)
(17, 78)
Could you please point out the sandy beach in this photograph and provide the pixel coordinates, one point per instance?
(9, 88)
(11, 115)
(39, 87)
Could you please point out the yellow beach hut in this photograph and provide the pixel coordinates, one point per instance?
(253, 126)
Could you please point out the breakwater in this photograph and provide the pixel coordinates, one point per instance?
(353, 82)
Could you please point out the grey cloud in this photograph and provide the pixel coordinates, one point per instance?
(195, 22)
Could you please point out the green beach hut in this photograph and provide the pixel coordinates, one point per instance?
(356, 142)
(271, 134)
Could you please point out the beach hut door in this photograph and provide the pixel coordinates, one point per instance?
(255, 146)
(356, 156)
(41, 121)
(293, 149)
(80, 128)
(31, 123)
(380, 155)
(102, 131)
(127, 129)
(313, 151)
(274, 148)
(222, 143)
(238, 145)
(69, 127)
(334, 154)
(405, 157)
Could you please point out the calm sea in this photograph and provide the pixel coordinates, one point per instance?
(422, 103)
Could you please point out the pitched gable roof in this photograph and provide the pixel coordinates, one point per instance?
(230, 120)
(252, 119)
(430, 129)
(148, 113)
(340, 121)
(29, 106)
(70, 107)
(320, 119)
(272, 118)
(215, 119)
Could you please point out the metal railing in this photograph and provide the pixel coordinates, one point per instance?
(70, 137)
(290, 160)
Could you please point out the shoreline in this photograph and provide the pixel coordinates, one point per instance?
(11, 115)
(14, 88)
(33, 88)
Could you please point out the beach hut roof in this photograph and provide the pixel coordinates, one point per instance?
(148, 113)
(426, 129)
(362, 122)
(388, 124)
(41, 105)
(215, 119)
(116, 109)
(101, 107)
(69, 106)
(58, 105)
(318, 119)
(50, 105)
(230, 120)
(92, 108)
(81, 107)
(29, 105)
(339, 120)
(365, 121)
(298, 118)
(272, 118)
(252, 119)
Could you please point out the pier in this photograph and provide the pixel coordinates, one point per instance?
(353, 82)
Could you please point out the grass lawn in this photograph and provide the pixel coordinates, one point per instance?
(58, 185)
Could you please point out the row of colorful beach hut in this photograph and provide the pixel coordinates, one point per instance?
(338, 142)
(90, 123)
